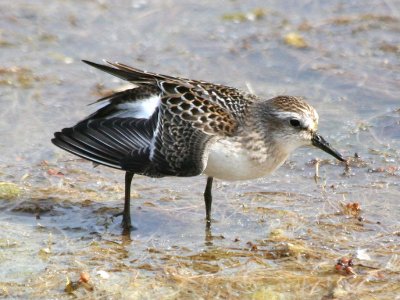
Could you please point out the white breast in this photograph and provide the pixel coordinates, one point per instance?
(228, 160)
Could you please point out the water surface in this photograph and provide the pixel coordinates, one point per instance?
(273, 238)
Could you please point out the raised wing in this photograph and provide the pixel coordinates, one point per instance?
(194, 93)
(163, 127)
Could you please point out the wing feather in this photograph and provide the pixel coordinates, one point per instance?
(162, 127)
(109, 141)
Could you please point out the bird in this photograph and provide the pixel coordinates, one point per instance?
(171, 126)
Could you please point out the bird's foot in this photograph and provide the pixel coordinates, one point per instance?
(126, 223)
(118, 214)
(208, 238)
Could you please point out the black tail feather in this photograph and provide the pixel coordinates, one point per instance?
(83, 150)
(111, 142)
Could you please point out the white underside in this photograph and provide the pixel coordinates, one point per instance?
(228, 160)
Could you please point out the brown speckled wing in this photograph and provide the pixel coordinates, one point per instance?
(191, 120)
(190, 116)
(194, 106)
(178, 148)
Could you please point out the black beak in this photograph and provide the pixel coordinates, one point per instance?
(319, 141)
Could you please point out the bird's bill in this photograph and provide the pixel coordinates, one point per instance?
(319, 142)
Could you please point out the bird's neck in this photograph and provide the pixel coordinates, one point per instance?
(262, 148)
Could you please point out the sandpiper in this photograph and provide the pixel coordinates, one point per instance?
(170, 126)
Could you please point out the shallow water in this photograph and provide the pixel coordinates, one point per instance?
(273, 238)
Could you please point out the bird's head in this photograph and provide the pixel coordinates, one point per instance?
(292, 123)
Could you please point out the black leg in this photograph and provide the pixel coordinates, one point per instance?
(208, 199)
(126, 214)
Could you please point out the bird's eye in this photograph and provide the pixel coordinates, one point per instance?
(295, 123)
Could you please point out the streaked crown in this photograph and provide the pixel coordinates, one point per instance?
(296, 111)
(287, 122)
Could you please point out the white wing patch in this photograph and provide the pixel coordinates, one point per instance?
(140, 109)
(153, 140)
